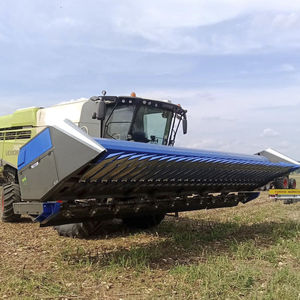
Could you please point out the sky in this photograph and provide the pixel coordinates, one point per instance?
(234, 65)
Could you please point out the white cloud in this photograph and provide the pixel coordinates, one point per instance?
(74, 48)
(142, 15)
(63, 22)
(211, 26)
(269, 132)
(237, 119)
(287, 68)
(285, 20)
(207, 143)
(176, 26)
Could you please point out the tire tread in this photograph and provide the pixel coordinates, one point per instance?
(10, 195)
(81, 230)
(143, 222)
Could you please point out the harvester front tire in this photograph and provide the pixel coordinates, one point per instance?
(292, 183)
(143, 222)
(81, 230)
(281, 183)
(10, 195)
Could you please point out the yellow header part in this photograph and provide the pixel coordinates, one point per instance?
(284, 192)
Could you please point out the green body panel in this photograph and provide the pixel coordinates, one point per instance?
(15, 131)
(20, 118)
(9, 148)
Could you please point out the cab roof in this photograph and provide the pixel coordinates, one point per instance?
(164, 104)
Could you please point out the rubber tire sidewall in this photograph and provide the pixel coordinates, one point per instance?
(10, 195)
(143, 222)
(279, 183)
(292, 183)
(81, 230)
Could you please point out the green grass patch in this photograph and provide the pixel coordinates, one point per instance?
(217, 278)
(248, 252)
(31, 286)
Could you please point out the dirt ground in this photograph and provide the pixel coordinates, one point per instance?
(246, 252)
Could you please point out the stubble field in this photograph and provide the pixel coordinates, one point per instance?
(251, 251)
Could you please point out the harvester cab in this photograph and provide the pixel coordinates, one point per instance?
(139, 120)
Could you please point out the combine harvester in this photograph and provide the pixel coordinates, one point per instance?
(109, 157)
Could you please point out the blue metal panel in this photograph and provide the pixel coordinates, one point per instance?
(117, 146)
(34, 148)
(173, 153)
(149, 162)
(49, 210)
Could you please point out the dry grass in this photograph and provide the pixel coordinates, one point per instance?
(248, 252)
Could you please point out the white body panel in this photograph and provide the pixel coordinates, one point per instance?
(68, 110)
(282, 156)
(78, 112)
(275, 156)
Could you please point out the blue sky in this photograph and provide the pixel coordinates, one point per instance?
(233, 64)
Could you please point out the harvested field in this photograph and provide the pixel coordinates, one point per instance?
(248, 252)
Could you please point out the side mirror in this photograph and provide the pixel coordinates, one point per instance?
(101, 111)
(184, 125)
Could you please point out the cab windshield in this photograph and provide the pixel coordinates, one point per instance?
(152, 125)
(146, 124)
